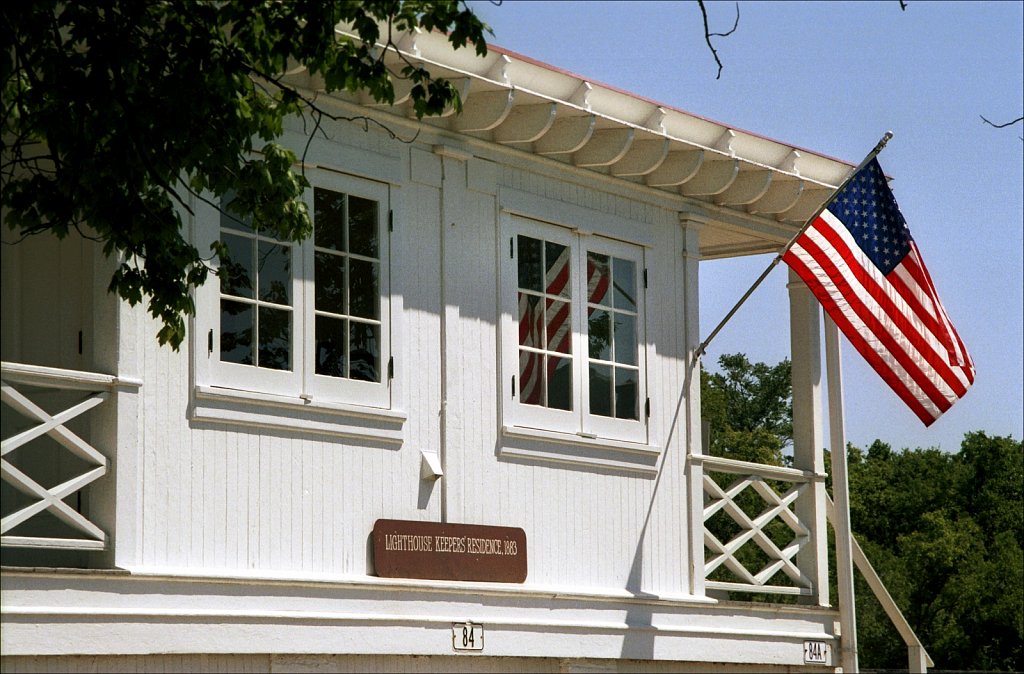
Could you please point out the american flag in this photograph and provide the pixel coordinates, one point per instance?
(534, 325)
(859, 260)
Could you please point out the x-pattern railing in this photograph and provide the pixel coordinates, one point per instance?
(753, 529)
(55, 426)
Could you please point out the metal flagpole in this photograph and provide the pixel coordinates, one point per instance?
(841, 494)
(778, 258)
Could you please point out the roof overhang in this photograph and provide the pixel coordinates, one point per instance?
(755, 192)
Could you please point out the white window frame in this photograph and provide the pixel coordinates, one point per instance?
(578, 421)
(301, 382)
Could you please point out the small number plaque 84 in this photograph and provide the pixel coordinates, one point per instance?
(467, 636)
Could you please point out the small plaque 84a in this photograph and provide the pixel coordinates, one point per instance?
(467, 636)
(816, 653)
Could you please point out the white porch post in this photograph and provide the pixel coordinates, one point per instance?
(840, 489)
(118, 509)
(808, 445)
(692, 225)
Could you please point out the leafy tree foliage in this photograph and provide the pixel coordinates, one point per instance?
(750, 409)
(113, 109)
(945, 533)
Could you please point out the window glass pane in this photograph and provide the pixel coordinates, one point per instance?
(330, 346)
(364, 351)
(531, 378)
(626, 393)
(330, 282)
(363, 296)
(601, 390)
(559, 383)
(236, 271)
(557, 269)
(559, 327)
(599, 334)
(599, 278)
(625, 339)
(231, 220)
(362, 227)
(275, 337)
(236, 328)
(625, 284)
(531, 321)
(329, 219)
(530, 264)
(275, 273)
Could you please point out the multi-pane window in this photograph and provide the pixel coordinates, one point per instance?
(256, 309)
(613, 360)
(347, 279)
(306, 318)
(578, 320)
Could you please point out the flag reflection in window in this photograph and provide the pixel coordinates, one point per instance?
(613, 365)
(545, 323)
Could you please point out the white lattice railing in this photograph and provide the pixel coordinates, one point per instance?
(19, 382)
(724, 511)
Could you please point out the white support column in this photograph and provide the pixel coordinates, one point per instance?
(692, 225)
(841, 492)
(453, 200)
(117, 507)
(808, 444)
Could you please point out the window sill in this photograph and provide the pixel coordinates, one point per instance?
(262, 410)
(525, 443)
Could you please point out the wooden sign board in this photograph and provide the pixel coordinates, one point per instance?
(434, 551)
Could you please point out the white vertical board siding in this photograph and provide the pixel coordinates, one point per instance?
(470, 324)
(416, 335)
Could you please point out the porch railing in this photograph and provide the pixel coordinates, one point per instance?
(27, 390)
(777, 490)
(755, 514)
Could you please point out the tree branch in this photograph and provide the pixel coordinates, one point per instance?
(708, 34)
(1001, 126)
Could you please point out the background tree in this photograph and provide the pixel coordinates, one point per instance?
(114, 109)
(945, 533)
(750, 409)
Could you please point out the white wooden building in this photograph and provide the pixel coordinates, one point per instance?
(494, 324)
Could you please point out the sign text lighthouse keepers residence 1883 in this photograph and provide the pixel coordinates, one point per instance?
(409, 549)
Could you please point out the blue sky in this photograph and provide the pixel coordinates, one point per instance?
(833, 77)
